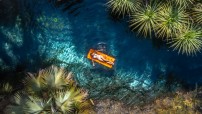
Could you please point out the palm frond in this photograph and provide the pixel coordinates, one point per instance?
(52, 90)
(188, 41)
(18, 101)
(34, 84)
(5, 89)
(183, 3)
(145, 19)
(64, 102)
(123, 7)
(197, 13)
(56, 78)
(170, 21)
(35, 105)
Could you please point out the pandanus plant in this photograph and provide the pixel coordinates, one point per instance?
(51, 90)
(123, 7)
(145, 19)
(183, 3)
(188, 40)
(197, 13)
(170, 21)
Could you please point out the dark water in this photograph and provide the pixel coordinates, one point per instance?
(41, 29)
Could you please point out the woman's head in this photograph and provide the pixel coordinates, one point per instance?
(92, 54)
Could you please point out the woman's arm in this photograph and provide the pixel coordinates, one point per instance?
(93, 62)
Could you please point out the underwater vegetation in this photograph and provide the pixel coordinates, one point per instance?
(51, 90)
(168, 20)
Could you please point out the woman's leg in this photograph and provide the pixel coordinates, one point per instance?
(109, 62)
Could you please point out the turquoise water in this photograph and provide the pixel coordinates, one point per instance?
(43, 30)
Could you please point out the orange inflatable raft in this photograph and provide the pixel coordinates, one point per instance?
(107, 57)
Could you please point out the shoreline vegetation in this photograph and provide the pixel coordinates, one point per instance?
(54, 85)
(177, 22)
(51, 90)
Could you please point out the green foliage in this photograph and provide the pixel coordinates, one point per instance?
(5, 89)
(145, 19)
(170, 21)
(123, 7)
(188, 40)
(51, 90)
(183, 3)
(181, 103)
(197, 13)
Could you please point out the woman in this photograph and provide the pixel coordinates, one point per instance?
(95, 55)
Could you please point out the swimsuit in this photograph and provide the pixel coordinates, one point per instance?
(96, 56)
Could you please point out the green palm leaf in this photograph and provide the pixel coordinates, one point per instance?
(145, 19)
(56, 78)
(197, 13)
(183, 3)
(34, 84)
(5, 90)
(123, 7)
(170, 21)
(64, 102)
(18, 108)
(37, 106)
(52, 90)
(188, 41)
(67, 100)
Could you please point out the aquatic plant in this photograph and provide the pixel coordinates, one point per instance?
(123, 7)
(197, 13)
(170, 21)
(145, 19)
(49, 91)
(188, 40)
(180, 103)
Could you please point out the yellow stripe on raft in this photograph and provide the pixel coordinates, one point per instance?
(107, 57)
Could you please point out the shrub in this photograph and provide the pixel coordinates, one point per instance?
(188, 41)
(51, 90)
(145, 19)
(123, 7)
(170, 21)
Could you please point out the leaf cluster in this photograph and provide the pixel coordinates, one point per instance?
(176, 21)
(51, 90)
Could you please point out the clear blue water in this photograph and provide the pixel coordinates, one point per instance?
(69, 38)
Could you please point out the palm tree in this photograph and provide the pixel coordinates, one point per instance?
(51, 90)
(170, 21)
(188, 41)
(197, 13)
(145, 19)
(123, 7)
